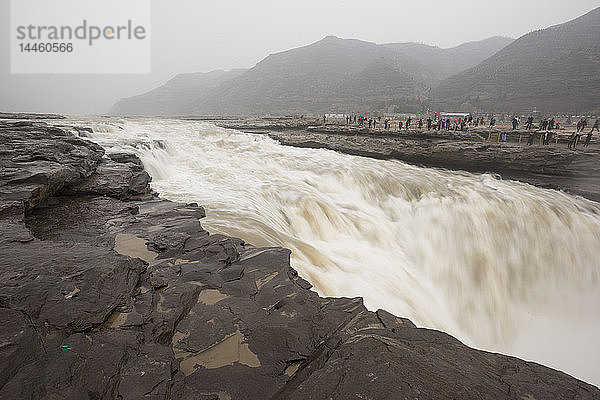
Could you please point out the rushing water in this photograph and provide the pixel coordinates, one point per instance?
(503, 266)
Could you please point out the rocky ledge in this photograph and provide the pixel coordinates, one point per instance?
(109, 292)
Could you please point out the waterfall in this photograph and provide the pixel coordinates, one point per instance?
(501, 265)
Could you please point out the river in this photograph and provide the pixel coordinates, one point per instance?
(501, 265)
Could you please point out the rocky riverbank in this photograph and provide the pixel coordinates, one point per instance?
(109, 292)
(479, 151)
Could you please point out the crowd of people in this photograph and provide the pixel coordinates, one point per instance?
(440, 123)
(460, 124)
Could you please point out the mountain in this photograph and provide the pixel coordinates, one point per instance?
(174, 97)
(554, 70)
(448, 62)
(330, 75)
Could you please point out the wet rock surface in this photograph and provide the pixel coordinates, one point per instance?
(109, 292)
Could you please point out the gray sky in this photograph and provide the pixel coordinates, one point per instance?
(197, 35)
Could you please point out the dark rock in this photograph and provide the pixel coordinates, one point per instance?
(29, 116)
(125, 158)
(114, 179)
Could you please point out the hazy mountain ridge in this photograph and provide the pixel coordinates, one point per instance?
(555, 70)
(176, 96)
(447, 62)
(327, 75)
(332, 74)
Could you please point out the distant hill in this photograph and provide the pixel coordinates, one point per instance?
(555, 70)
(447, 62)
(333, 74)
(176, 97)
(330, 75)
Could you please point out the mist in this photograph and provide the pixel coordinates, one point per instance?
(191, 36)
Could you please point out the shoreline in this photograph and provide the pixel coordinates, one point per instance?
(99, 274)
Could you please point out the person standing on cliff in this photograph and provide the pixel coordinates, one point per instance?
(572, 141)
(428, 123)
(588, 138)
(530, 138)
(529, 123)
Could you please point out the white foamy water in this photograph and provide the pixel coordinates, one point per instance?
(501, 265)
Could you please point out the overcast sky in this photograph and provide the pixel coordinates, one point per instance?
(198, 35)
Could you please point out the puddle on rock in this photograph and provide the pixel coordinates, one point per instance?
(228, 351)
(210, 297)
(135, 247)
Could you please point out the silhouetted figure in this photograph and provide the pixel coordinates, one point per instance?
(324, 119)
(420, 123)
(572, 139)
(492, 122)
(530, 138)
(428, 123)
(588, 138)
(595, 127)
(547, 137)
(529, 123)
(370, 123)
(408, 121)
